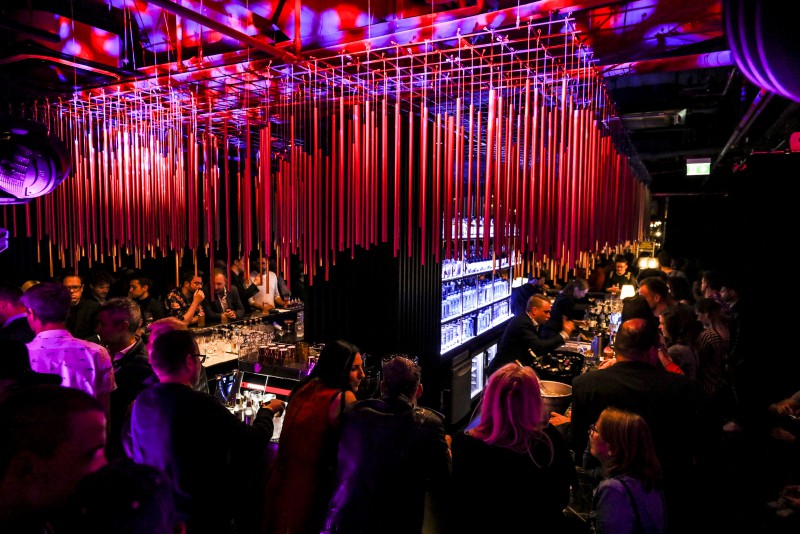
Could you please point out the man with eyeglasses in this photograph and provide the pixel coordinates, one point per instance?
(82, 311)
(524, 334)
(190, 435)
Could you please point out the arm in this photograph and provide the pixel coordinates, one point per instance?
(209, 309)
(197, 298)
(236, 303)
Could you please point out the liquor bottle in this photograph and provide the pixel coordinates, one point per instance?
(238, 407)
(249, 413)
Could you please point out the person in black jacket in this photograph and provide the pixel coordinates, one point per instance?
(390, 452)
(524, 334)
(117, 323)
(13, 317)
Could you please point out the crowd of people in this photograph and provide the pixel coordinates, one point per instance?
(112, 428)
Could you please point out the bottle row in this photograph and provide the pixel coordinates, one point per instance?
(472, 265)
(462, 296)
(473, 324)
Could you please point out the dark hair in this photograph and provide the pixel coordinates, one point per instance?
(657, 286)
(630, 445)
(10, 293)
(621, 258)
(401, 376)
(124, 309)
(188, 276)
(125, 498)
(143, 281)
(170, 349)
(680, 289)
(713, 279)
(572, 285)
(636, 307)
(100, 277)
(50, 301)
(635, 338)
(681, 325)
(664, 258)
(333, 365)
(39, 419)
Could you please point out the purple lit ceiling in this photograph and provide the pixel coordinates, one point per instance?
(667, 64)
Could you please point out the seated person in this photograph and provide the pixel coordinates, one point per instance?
(226, 306)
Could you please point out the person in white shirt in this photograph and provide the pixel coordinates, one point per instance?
(80, 364)
(268, 295)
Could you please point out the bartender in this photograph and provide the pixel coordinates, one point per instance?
(268, 296)
(621, 276)
(524, 334)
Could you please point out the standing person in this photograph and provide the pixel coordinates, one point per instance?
(81, 364)
(680, 328)
(50, 438)
(520, 295)
(620, 277)
(391, 450)
(195, 439)
(13, 317)
(524, 334)
(82, 311)
(656, 293)
(301, 482)
(713, 345)
(629, 499)
(671, 404)
(268, 296)
(184, 302)
(568, 306)
(139, 290)
(99, 286)
(117, 324)
(246, 287)
(513, 441)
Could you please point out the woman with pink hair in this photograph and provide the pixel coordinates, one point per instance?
(519, 465)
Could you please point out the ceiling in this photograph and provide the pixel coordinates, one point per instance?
(673, 82)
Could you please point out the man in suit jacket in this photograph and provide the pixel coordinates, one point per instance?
(13, 317)
(670, 403)
(226, 301)
(523, 334)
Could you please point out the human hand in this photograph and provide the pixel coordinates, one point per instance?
(276, 406)
(785, 408)
(198, 296)
(781, 434)
(608, 362)
(257, 280)
(568, 327)
(557, 419)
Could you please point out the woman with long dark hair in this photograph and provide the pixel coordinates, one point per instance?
(565, 306)
(302, 477)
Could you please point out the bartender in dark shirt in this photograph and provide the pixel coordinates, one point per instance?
(620, 277)
(524, 334)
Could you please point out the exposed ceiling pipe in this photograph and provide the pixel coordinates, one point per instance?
(63, 61)
(208, 22)
(671, 64)
(760, 102)
(30, 30)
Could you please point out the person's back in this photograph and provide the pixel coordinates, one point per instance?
(671, 404)
(192, 438)
(512, 442)
(391, 451)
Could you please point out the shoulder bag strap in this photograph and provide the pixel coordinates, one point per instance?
(640, 527)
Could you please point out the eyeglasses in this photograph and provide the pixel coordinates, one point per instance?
(73, 289)
(593, 429)
(201, 357)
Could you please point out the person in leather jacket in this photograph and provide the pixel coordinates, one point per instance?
(390, 452)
